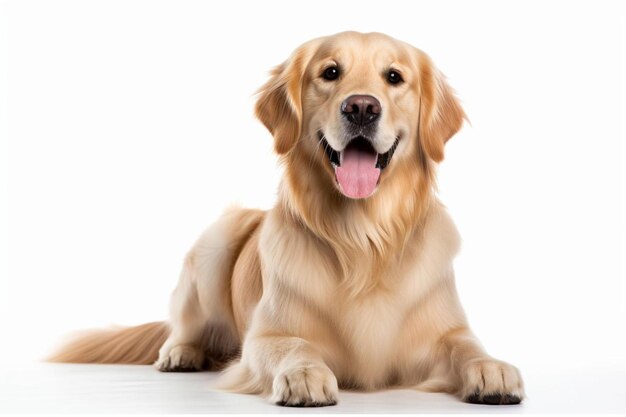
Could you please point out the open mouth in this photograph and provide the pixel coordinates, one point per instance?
(358, 166)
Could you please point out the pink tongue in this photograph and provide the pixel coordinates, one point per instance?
(357, 176)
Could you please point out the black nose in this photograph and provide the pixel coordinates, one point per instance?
(361, 109)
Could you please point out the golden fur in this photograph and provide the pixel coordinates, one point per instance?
(324, 291)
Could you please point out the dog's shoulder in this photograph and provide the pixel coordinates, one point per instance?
(431, 252)
(439, 232)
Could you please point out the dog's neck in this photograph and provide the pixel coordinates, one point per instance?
(368, 236)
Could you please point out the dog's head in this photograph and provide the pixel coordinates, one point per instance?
(353, 110)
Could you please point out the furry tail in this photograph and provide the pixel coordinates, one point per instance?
(137, 345)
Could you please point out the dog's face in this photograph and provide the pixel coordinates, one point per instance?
(358, 108)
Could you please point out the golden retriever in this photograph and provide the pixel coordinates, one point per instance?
(348, 281)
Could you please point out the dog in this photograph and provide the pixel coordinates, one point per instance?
(348, 281)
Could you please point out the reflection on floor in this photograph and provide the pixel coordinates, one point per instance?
(58, 388)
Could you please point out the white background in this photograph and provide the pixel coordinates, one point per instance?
(127, 128)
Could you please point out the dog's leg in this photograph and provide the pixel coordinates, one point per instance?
(201, 316)
(182, 351)
(290, 370)
(298, 375)
(480, 378)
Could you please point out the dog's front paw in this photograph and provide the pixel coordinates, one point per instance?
(180, 358)
(489, 381)
(305, 386)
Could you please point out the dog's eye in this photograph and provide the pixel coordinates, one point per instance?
(331, 73)
(394, 77)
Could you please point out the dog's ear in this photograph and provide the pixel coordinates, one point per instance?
(441, 115)
(279, 105)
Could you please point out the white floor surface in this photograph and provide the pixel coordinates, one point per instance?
(58, 388)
